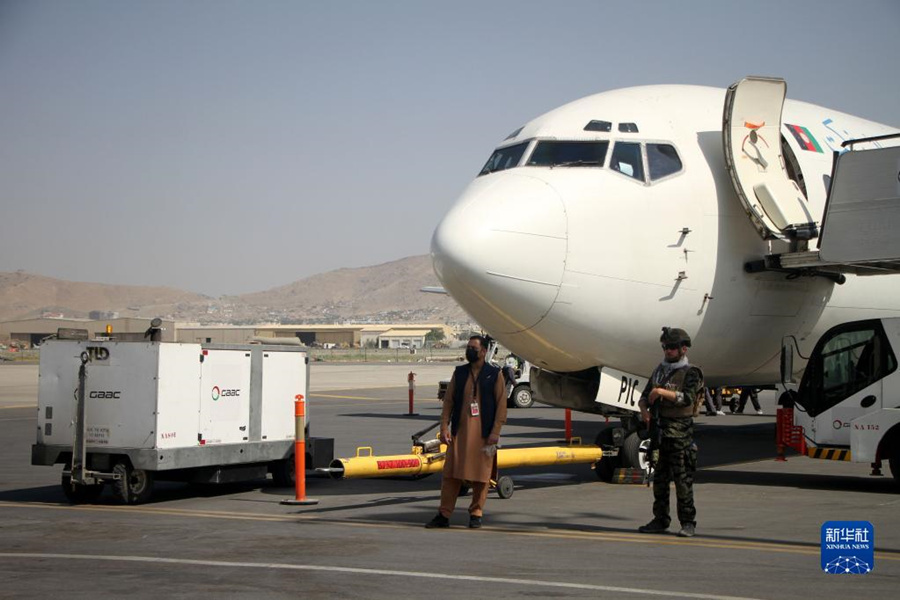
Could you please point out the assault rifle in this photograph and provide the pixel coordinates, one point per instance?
(655, 431)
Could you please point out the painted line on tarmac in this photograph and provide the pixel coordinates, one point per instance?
(370, 572)
(175, 512)
(359, 404)
(313, 392)
(315, 395)
(634, 538)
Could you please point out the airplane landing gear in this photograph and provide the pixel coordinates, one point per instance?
(632, 451)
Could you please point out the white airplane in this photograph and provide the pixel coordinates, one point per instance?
(597, 223)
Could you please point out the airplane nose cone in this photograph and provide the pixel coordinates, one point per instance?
(500, 251)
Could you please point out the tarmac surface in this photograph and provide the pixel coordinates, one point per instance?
(562, 534)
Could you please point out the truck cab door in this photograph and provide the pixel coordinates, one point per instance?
(751, 133)
(844, 380)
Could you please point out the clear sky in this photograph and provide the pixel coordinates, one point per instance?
(227, 146)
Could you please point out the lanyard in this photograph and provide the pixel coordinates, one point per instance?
(474, 382)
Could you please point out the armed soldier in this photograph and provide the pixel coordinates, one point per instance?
(672, 393)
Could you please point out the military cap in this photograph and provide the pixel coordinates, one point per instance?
(674, 335)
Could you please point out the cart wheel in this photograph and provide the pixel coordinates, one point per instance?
(133, 486)
(505, 487)
(80, 494)
(283, 474)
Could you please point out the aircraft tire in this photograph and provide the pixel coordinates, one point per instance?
(606, 466)
(632, 454)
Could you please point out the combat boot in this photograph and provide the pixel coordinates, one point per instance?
(654, 526)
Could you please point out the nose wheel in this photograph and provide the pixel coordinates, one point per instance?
(632, 454)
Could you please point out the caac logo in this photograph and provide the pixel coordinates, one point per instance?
(106, 394)
(221, 393)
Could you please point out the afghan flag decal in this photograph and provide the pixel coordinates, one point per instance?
(804, 138)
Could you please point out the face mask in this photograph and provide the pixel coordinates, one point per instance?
(471, 355)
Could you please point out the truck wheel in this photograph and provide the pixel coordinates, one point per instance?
(521, 396)
(634, 452)
(505, 487)
(283, 473)
(133, 486)
(895, 459)
(80, 494)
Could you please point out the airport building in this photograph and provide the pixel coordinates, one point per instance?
(402, 335)
(325, 336)
(33, 331)
(340, 336)
(403, 338)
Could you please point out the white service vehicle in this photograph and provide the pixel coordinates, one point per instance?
(518, 395)
(128, 413)
(847, 405)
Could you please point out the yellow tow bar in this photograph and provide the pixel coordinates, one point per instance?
(423, 462)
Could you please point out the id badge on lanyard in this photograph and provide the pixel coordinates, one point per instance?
(473, 406)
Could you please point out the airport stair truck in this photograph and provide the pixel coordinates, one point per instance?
(847, 405)
(130, 413)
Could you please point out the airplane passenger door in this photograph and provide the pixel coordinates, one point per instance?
(751, 133)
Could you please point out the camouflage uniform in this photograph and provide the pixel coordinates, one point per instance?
(677, 453)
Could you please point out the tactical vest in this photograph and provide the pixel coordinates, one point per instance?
(675, 381)
(487, 379)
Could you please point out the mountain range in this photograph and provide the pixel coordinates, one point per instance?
(387, 292)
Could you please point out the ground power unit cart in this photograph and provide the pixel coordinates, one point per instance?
(130, 413)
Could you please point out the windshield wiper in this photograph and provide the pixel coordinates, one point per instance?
(578, 163)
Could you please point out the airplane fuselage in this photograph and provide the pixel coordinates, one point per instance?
(576, 266)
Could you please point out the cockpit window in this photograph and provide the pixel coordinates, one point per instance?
(569, 154)
(604, 126)
(662, 160)
(504, 158)
(626, 159)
